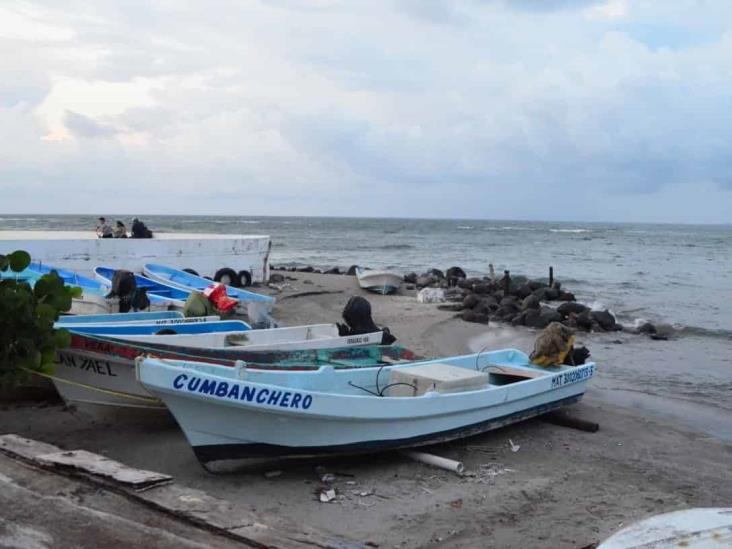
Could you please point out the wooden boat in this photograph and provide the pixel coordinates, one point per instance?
(100, 370)
(381, 282)
(314, 336)
(92, 299)
(229, 327)
(156, 291)
(240, 413)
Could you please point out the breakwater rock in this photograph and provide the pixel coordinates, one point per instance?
(517, 300)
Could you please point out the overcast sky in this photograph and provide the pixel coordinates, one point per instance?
(608, 110)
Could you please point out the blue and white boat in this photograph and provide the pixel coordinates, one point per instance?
(139, 317)
(157, 292)
(187, 281)
(293, 338)
(241, 413)
(92, 299)
(131, 329)
(380, 282)
(120, 321)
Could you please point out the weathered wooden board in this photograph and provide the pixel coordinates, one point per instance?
(94, 464)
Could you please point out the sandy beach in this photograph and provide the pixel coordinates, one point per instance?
(665, 442)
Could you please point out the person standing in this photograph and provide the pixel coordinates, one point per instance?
(103, 229)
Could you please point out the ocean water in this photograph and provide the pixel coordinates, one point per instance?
(679, 274)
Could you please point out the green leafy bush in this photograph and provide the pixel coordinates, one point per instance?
(28, 340)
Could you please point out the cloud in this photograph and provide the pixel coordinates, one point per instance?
(467, 108)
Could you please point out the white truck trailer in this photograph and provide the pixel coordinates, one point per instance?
(229, 258)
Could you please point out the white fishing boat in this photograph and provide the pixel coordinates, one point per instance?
(99, 371)
(380, 282)
(314, 336)
(241, 413)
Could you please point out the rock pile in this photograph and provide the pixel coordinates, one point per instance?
(514, 299)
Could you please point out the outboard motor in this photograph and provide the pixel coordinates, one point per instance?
(357, 314)
(123, 287)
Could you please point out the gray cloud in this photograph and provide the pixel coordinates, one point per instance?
(83, 126)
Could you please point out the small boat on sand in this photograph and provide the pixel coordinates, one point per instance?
(100, 370)
(380, 282)
(240, 413)
(157, 292)
(250, 303)
(92, 299)
(314, 336)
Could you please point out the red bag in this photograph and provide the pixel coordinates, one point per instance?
(216, 294)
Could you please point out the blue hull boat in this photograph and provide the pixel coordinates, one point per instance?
(156, 291)
(152, 328)
(117, 318)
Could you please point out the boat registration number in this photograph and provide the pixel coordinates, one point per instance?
(573, 376)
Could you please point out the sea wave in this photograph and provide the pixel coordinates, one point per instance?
(716, 333)
(570, 230)
(465, 227)
(395, 247)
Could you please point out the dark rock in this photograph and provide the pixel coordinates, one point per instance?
(557, 285)
(571, 307)
(317, 271)
(454, 294)
(411, 278)
(540, 294)
(424, 281)
(293, 269)
(531, 302)
(532, 319)
(519, 319)
(550, 294)
(411, 287)
(647, 328)
(584, 321)
(490, 302)
(307, 269)
(470, 301)
(437, 273)
(551, 315)
(605, 320)
(468, 315)
(535, 285)
(482, 288)
(566, 296)
(455, 307)
(507, 312)
(466, 283)
(455, 272)
(276, 278)
(333, 271)
(352, 270)
(523, 291)
(508, 300)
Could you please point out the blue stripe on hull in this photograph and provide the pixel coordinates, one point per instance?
(218, 452)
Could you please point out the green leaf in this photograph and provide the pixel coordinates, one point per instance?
(3, 263)
(19, 260)
(76, 291)
(61, 338)
(46, 312)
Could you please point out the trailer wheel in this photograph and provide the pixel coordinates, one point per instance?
(190, 271)
(244, 279)
(226, 276)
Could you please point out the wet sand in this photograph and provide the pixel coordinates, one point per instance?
(663, 444)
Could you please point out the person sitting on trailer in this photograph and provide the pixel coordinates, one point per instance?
(139, 230)
(103, 229)
(119, 231)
